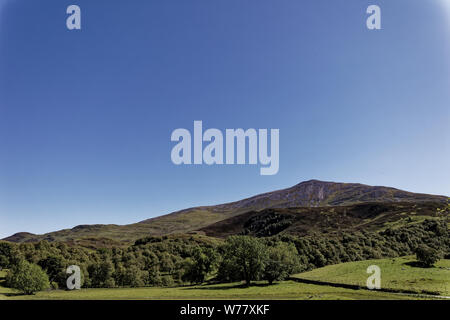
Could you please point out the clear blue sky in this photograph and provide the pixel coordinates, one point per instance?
(86, 116)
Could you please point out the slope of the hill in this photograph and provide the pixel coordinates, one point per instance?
(397, 274)
(311, 194)
(371, 216)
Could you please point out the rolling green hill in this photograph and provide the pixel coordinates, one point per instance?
(311, 195)
(398, 274)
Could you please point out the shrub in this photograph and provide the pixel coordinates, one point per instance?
(167, 281)
(427, 256)
(27, 278)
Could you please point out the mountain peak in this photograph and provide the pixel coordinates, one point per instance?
(315, 181)
(20, 236)
(313, 193)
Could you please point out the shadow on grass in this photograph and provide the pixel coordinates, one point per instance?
(230, 286)
(417, 264)
(13, 294)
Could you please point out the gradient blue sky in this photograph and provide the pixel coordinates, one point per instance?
(86, 116)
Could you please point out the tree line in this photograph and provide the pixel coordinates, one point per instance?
(194, 259)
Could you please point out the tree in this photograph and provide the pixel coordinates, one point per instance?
(134, 277)
(427, 256)
(282, 261)
(154, 277)
(6, 253)
(243, 259)
(54, 267)
(28, 278)
(101, 274)
(200, 265)
(318, 258)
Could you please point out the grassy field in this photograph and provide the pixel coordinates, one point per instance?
(284, 290)
(398, 274)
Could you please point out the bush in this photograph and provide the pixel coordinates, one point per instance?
(167, 281)
(427, 256)
(27, 278)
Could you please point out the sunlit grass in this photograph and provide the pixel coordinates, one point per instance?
(397, 273)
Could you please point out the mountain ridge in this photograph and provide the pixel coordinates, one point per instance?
(311, 193)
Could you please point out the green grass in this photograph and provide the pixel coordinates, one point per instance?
(285, 290)
(398, 274)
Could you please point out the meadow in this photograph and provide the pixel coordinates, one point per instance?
(286, 290)
(398, 273)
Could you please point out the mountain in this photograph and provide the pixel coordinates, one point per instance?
(309, 195)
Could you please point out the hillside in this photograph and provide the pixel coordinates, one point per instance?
(371, 216)
(309, 195)
(397, 274)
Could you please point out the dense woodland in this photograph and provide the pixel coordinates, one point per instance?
(185, 259)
